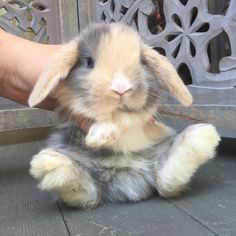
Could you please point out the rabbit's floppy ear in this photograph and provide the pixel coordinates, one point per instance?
(58, 68)
(166, 75)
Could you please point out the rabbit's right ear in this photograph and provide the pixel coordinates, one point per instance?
(58, 68)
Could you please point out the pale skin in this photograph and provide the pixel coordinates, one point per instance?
(21, 64)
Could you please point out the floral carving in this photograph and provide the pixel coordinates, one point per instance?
(130, 12)
(182, 39)
(189, 28)
(25, 18)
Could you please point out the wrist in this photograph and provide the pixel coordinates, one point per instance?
(4, 64)
(22, 63)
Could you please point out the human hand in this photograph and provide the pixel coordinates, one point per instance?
(21, 65)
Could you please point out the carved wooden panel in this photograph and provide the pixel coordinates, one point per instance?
(199, 38)
(185, 31)
(35, 20)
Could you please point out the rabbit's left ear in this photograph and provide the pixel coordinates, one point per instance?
(166, 75)
(58, 68)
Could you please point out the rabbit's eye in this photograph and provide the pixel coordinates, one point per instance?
(89, 62)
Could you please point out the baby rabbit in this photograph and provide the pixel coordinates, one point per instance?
(109, 76)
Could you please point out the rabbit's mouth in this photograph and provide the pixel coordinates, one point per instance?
(126, 109)
(131, 101)
(124, 106)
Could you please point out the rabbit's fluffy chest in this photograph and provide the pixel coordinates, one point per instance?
(127, 138)
(132, 139)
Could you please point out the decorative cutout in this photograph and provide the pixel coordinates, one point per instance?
(192, 49)
(160, 50)
(184, 2)
(203, 28)
(176, 50)
(171, 37)
(39, 7)
(177, 20)
(123, 10)
(185, 74)
(156, 21)
(153, 25)
(3, 11)
(127, 11)
(194, 13)
(218, 48)
(220, 7)
(185, 31)
(103, 1)
(25, 18)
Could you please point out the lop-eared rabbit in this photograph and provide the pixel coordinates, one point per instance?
(110, 77)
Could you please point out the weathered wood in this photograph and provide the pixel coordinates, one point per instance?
(84, 13)
(14, 137)
(25, 118)
(206, 96)
(8, 104)
(223, 117)
(213, 96)
(69, 24)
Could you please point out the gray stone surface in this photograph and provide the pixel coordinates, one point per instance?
(208, 208)
(152, 217)
(24, 209)
(212, 197)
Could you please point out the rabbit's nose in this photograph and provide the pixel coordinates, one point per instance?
(120, 84)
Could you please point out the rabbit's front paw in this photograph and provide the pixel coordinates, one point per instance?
(102, 134)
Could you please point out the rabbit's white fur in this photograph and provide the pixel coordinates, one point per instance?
(126, 155)
(192, 148)
(58, 173)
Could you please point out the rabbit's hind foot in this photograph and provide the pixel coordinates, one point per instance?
(58, 173)
(192, 148)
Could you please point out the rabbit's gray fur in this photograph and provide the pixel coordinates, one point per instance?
(126, 155)
(113, 183)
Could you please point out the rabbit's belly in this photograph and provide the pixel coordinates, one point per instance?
(127, 185)
(122, 178)
(119, 177)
